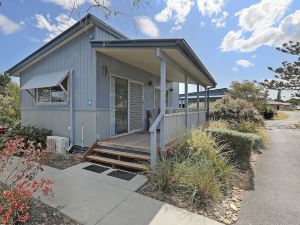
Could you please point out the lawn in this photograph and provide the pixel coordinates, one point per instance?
(281, 116)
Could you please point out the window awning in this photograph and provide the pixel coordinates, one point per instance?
(45, 80)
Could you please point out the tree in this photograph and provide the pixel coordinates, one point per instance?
(250, 91)
(288, 75)
(4, 81)
(9, 101)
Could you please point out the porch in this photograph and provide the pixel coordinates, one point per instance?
(172, 60)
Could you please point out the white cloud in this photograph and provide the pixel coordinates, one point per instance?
(63, 22)
(221, 21)
(147, 26)
(7, 26)
(210, 7)
(244, 63)
(176, 10)
(263, 24)
(67, 4)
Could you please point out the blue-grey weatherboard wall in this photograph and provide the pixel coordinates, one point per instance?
(91, 88)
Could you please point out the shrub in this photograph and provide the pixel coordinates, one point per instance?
(241, 145)
(18, 179)
(197, 169)
(250, 127)
(28, 133)
(234, 111)
(222, 124)
(269, 112)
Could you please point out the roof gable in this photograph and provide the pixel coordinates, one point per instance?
(85, 23)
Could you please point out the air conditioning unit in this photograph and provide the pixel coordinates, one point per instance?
(58, 144)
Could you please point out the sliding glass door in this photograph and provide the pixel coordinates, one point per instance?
(119, 106)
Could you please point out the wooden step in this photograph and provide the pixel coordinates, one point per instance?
(122, 146)
(113, 162)
(122, 154)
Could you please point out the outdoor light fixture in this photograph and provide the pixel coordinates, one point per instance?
(150, 83)
(171, 89)
(104, 70)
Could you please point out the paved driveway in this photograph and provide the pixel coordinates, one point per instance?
(275, 199)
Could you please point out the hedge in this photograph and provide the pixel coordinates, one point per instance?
(239, 144)
(29, 133)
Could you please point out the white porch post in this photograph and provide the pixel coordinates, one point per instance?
(186, 99)
(162, 102)
(198, 121)
(207, 102)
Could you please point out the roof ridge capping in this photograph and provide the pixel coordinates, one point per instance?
(86, 20)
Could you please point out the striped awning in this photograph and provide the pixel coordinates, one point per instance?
(45, 80)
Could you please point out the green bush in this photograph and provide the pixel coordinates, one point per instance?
(269, 112)
(197, 169)
(29, 133)
(235, 111)
(239, 144)
(221, 124)
(250, 127)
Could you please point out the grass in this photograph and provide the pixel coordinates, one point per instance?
(281, 116)
(196, 170)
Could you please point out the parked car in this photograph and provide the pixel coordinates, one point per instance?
(298, 107)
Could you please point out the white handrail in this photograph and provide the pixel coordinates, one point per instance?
(152, 131)
(156, 122)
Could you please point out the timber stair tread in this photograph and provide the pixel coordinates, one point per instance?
(122, 154)
(116, 162)
(128, 147)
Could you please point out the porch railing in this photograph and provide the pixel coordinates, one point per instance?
(153, 133)
(176, 124)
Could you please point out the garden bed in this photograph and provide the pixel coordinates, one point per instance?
(41, 213)
(61, 162)
(225, 211)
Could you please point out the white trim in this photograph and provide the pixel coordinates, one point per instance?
(128, 108)
(67, 93)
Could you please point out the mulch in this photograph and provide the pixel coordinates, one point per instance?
(63, 161)
(43, 214)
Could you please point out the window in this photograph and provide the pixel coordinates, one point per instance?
(53, 94)
(44, 95)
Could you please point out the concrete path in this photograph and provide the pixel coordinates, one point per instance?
(91, 198)
(275, 199)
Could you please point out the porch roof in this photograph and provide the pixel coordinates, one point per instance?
(142, 53)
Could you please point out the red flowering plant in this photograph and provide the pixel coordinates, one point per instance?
(20, 164)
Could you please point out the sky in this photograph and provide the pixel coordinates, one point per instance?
(235, 40)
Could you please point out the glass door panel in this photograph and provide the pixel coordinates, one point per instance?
(119, 106)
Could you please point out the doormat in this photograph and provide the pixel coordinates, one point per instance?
(122, 174)
(96, 168)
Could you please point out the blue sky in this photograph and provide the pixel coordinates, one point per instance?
(234, 39)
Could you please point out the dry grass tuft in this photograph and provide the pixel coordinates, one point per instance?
(281, 116)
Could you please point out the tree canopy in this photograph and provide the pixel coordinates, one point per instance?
(251, 92)
(9, 101)
(287, 76)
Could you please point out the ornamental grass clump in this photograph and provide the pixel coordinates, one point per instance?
(196, 169)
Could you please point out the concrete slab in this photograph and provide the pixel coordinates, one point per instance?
(140, 210)
(131, 185)
(83, 199)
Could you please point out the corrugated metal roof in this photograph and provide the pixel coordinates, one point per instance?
(45, 80)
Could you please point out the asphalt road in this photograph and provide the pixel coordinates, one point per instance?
(275, 199)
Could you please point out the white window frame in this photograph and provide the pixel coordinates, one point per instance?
(51, 102)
